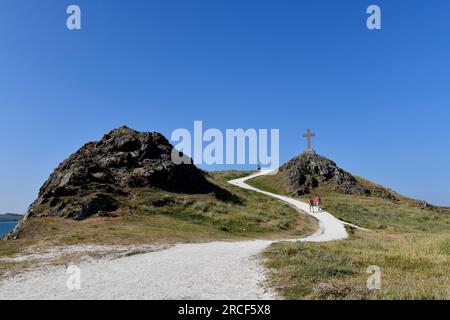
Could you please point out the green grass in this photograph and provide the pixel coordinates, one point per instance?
(409, 244)
(412, 267)
(271, 183)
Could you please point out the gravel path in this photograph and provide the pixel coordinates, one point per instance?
(215, 270)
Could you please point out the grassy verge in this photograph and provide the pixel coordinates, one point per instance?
(410, 245)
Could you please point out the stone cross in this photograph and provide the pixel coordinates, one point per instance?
(308, 136)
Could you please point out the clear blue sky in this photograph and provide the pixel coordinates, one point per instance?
(378, 100)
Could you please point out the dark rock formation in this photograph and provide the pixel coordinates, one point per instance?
(309, 170)
(93, 179)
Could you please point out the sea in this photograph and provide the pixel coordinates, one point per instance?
(6, 226)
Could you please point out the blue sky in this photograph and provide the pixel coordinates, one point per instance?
(378, 100)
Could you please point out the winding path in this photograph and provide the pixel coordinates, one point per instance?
(330, 228)
(214, 270)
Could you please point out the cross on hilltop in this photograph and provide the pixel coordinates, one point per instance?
(308, 136)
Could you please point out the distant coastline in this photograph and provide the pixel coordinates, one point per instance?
(10, 217)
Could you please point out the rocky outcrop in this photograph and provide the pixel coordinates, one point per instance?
(92, 180)
(423, 205)
(309, 170)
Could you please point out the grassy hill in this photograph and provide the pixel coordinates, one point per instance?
(155, 216)
(409, 242)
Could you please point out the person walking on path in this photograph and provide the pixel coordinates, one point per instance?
(318, 202)
(311, 204)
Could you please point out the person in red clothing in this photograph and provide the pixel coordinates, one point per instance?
(311, 204)
(318, 202)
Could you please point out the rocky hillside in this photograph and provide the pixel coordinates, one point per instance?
(91, 181)
(309, 170)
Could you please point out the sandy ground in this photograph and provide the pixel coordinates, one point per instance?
(214, 270)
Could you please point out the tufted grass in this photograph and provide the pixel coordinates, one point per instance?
(409, 244)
